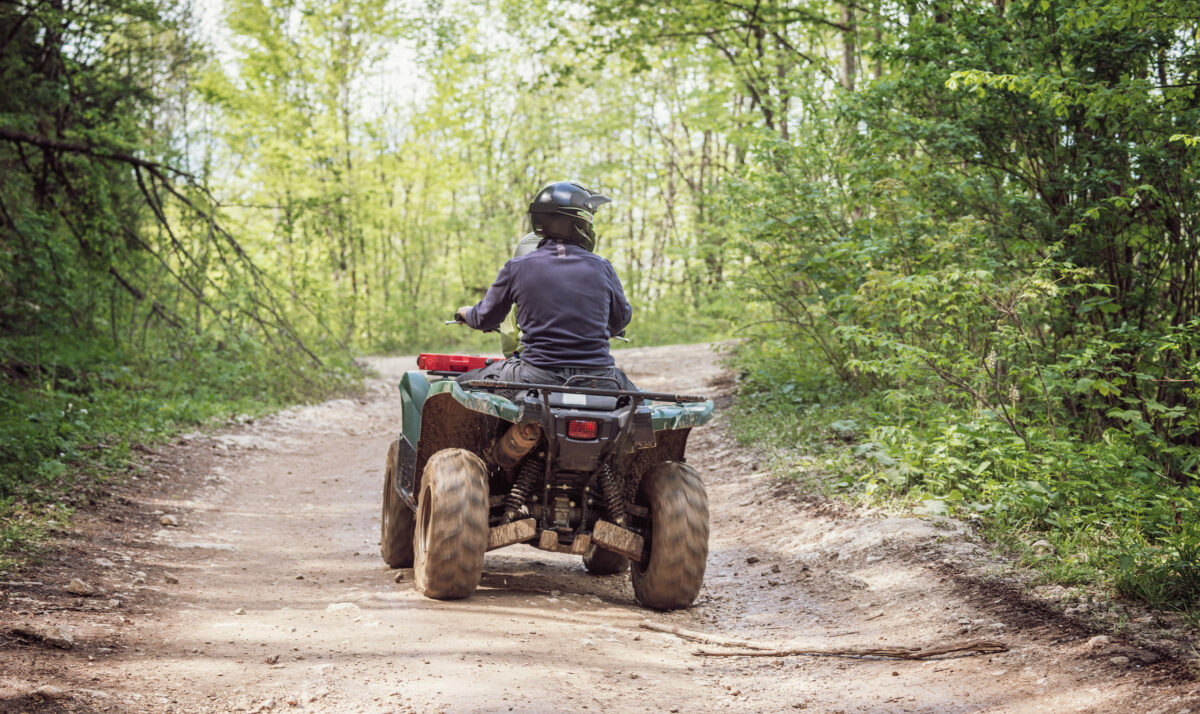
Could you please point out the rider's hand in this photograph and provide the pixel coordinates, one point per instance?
(461, 314)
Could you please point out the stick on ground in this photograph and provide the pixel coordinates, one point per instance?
(969, 647)
(705, 637)
(746, 648)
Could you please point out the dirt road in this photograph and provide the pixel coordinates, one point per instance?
(269, 595)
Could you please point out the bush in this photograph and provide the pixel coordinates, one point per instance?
(1107, 507)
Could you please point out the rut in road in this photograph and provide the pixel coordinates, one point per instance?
(278, 598)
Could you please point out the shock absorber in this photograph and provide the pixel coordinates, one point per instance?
(527, 479)
(611, 494)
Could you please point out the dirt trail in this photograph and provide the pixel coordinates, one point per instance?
(270, 595)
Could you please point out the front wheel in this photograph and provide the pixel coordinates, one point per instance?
(396, 522)
(672, 573)
(452, 525)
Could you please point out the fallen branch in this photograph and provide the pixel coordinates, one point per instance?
(732, 647)
(970, 647)
(704, 637)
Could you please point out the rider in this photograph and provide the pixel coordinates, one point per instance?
(569, 300)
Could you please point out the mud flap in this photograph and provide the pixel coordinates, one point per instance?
(619, 540)
(406, 471)
(511, 533)
(549, 541)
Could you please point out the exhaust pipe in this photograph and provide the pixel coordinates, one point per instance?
(508, 450)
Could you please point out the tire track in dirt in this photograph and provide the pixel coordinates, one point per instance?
(281, 600)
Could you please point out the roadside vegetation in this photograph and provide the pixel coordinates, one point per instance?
(206, 210)
(981, 262)
(958, 239)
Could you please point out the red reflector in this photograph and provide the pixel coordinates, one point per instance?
(581, 429)
(453, 363)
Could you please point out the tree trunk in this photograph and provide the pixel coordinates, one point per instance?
(849, 48)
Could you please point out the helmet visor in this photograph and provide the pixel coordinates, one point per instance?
(569, 229)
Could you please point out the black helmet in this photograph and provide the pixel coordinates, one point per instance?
(563, 211)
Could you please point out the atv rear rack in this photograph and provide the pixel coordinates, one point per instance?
(449, 365)
(493, 384)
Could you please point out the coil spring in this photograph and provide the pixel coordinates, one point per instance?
(526, 481)
(611, 494)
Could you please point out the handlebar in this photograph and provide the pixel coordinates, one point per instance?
(460, 322)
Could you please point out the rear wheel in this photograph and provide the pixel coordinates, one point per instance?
(599, 561)
(452, 525)
(396, 523)
(673, 572)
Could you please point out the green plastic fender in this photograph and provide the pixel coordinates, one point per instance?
(664, 416)
(414, 390)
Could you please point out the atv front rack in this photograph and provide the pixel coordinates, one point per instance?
(493, 384)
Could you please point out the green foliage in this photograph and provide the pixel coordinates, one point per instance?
(975, 234)
(382, 167)
(72, 426)
(24, 526)
(128, 309)
(90, 405)
(960, 241)
(1108, 517)
(189, 231)
(675, 320)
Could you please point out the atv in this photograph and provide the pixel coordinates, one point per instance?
(587, 470)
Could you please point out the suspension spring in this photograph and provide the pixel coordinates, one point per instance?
(522, 489)
(611, 494)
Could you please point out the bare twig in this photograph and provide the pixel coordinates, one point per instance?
(703, 636)
(734, 647)
(968, 647)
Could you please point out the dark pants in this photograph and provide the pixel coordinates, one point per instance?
(514, 370)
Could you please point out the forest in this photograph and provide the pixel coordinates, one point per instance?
(955, 242)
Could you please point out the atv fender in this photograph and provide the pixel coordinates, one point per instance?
(442, 416)
(414, 388)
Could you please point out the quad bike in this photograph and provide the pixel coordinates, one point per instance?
(591, 471)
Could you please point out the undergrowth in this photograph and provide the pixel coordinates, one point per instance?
(67, 425)
(1093, 513)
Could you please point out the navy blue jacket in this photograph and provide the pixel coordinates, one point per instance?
(569, 302)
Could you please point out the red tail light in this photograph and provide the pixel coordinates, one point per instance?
(581, 429)
(453, 363)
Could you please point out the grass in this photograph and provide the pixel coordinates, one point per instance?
(24, 529)
(68, 425)
(1078, 515)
